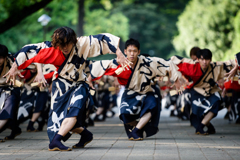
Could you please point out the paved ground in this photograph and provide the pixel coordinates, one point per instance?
(175, 140)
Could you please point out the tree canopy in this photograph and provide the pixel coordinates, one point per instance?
(151, 22)
(212, 24)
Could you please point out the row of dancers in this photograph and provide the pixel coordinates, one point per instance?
(73, 77)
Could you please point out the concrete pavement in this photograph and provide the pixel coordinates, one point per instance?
(175, 140)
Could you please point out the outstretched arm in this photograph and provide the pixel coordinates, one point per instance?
(24, 58)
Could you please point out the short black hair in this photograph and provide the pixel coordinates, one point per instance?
(3, 50)
(205, 53)
(132, 41)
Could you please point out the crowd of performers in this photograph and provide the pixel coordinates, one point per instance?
(55, 83)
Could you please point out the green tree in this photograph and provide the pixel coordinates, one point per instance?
(212, 24)
(152, 23)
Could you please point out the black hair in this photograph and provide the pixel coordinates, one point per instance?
(205, 53)
(3, 50)
(132, 41)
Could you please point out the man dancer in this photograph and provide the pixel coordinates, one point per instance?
(139, 100)
(184, 103)
(230, 75)
(10, 97)
(70, 92)
(205, 97)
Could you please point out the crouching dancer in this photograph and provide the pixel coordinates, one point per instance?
(140, 105)
(205, 96)
(9, 97)
(70, 97)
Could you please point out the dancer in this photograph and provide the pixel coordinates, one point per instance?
(205, 97)
(70, 93)
(10, 97)
(139, 100)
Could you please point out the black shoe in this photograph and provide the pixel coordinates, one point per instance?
(56, 144)
(136, 134)
(211, 129)
(128, 130)
(40, 125)
(86, 137)
(200, 130)
(30, 127)
(15, 132)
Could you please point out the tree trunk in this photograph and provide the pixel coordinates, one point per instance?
(80, 18)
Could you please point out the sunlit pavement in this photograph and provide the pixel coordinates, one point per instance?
(176, 139)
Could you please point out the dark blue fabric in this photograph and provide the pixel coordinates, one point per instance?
(75, 97)
(41, 101)
(10, 108)
(201, 105)
(26, 105)
(133, 107)
(103, 99)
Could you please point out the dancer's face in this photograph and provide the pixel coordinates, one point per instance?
(132, 53)
(194, 57)
(204, 63)
(66, 49)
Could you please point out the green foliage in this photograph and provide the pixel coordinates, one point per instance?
(151, 22)
(212, 24)
(7, 7)
(116, 23)
(30, 30)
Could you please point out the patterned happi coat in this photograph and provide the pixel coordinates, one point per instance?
(140, 96)
(9, 95)
(204, 91)
(69, 87)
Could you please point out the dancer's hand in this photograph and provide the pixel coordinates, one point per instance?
(178, 86)
(232, 73)
(40, 77)
(41, 80)
(90, 82)
(121, 59)
(12, 73)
